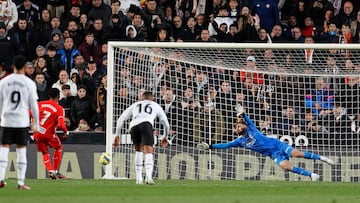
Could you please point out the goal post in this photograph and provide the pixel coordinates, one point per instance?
(304, 94)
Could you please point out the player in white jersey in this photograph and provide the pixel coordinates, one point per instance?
(141, 127)
(17, 96)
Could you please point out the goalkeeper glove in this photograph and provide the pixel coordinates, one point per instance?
(240, 110)
(203, 146)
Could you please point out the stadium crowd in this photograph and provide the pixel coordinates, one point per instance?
(65, 42)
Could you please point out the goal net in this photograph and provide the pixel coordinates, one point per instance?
(304, 94)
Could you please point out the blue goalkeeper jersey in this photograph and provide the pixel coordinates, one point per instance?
(254, 140)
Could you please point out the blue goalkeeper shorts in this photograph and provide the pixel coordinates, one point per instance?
(282, 153)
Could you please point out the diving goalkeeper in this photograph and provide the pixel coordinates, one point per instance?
(251, 138)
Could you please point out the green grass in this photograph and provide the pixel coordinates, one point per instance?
(176, 191)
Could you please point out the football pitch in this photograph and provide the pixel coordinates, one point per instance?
(184, 191)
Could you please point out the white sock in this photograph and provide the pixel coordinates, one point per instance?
(4, 157)
(139, 165)
(149, 165)
(21, 164)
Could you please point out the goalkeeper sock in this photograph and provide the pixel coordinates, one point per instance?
(57, 159)
(47, 162)
(21, 164)
(139, 165)
(4, 156)
(149, 165)
(309, 155)
(301, 171)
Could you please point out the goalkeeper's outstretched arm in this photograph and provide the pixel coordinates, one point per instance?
(206, 146)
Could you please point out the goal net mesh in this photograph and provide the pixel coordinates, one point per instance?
(305, 95)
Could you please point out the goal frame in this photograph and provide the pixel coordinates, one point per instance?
(116, 44)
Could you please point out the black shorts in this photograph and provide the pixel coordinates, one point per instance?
(142, 134)
(19, 136)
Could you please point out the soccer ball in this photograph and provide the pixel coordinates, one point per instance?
(104, 158)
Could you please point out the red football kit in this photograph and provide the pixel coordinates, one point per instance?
(51, 116)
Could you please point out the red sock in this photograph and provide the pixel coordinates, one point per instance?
(57, 159)
(47, 162)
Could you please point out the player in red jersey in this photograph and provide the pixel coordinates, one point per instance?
(51, 117)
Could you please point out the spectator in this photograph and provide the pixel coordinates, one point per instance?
(346, 15)
(329, 16)
(256, 78)
(279, 34)
(54, 64)
(55, 23)
(289, 118)
(82, 108)
(67, 100)
(247, 25)
(140, 27)
(150, 11)
(331, 35)
(22, 33)
(8, 13)
(74, 32)
(345, 38)
(42, 29)
(177, 26)
(64, 79)
(101, 33)
(8, 48)
(162, 35)
(267, 10)
(234, 9)
(297, 36)
(90, 48)
(100, 10)
(117, 28)
(79, 61)
(83, 126)
(100, 99)
(355, 26)
(74, 15)
(336, 120)
(29, 12)
(321, 98)
(263, 36)
(115, 10)
(221, 17)
(189, 32)
(40, 65)
(311, 56)
(83, 24)
(91, 77)
(56, 40)
(201, 124)
(30, 70)
(42, 86)
(68, 53)
(172, 107)
(205, 36)
(350, 95)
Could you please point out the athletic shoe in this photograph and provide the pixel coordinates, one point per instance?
(327, 160)
(53, 176)
(139, 182)
(149, 181)
(315, 177)
(60, 176)
(2, 184)
(23, 187)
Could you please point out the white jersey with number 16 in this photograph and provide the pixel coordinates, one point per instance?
(143, 111)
